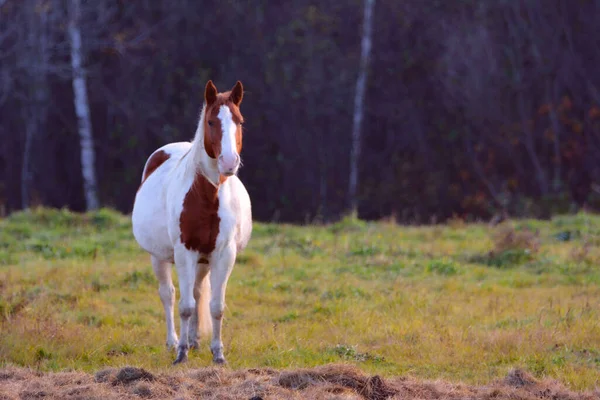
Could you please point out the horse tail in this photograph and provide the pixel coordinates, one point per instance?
(204, 317)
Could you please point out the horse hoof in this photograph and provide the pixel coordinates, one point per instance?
(194, 345)
(219, 360)
(172, 345)
(181, 358)
(182, 355)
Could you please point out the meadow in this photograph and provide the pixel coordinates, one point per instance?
(457, 302)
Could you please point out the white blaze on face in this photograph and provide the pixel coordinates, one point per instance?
(229, 160)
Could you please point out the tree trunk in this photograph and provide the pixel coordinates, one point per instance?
(35, 111)
(30, 128)
(529, 143)
(359, 105)
(82, 108)
(496, 194)
(557, 162)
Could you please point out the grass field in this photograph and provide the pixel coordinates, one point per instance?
(458, 302)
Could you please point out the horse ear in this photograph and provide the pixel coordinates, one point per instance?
(210, 93)
(237, 93)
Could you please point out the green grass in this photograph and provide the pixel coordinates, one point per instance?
(459, 302)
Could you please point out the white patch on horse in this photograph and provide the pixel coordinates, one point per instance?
(229, 155)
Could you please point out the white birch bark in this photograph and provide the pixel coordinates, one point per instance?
(359, 104)
(82, 108)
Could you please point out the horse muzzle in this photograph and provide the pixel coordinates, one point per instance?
(228, 164)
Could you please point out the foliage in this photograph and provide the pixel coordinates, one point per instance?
(472, 108)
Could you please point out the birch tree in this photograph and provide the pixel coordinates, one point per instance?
(359, 98)
(82, 108)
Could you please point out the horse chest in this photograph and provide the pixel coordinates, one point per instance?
(199, 221)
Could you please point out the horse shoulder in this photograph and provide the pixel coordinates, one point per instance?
(239, 211)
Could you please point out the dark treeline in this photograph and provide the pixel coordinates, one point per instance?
(472, 107)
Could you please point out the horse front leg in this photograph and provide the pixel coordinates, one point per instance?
(221, 267)
(186, 263)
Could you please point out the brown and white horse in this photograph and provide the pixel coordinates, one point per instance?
(192, 210)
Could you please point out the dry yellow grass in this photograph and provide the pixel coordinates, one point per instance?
(336, 381)
(459, 303)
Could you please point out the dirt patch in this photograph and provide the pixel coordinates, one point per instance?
(130, 374)
(519, 378)
(336, 381)
(339, 376)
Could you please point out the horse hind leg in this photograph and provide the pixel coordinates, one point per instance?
(200, 322)
(166, 290)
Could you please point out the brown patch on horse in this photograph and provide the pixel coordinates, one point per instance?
(199, 221)
(155, 161)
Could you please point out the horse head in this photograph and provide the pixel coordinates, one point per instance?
(223, 127)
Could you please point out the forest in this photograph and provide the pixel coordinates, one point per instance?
(472, 108)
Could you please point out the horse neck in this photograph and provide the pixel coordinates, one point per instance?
(200, 162)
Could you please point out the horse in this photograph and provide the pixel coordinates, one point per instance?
(192, 210)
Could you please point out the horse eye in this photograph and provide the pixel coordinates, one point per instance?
(210, 123)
